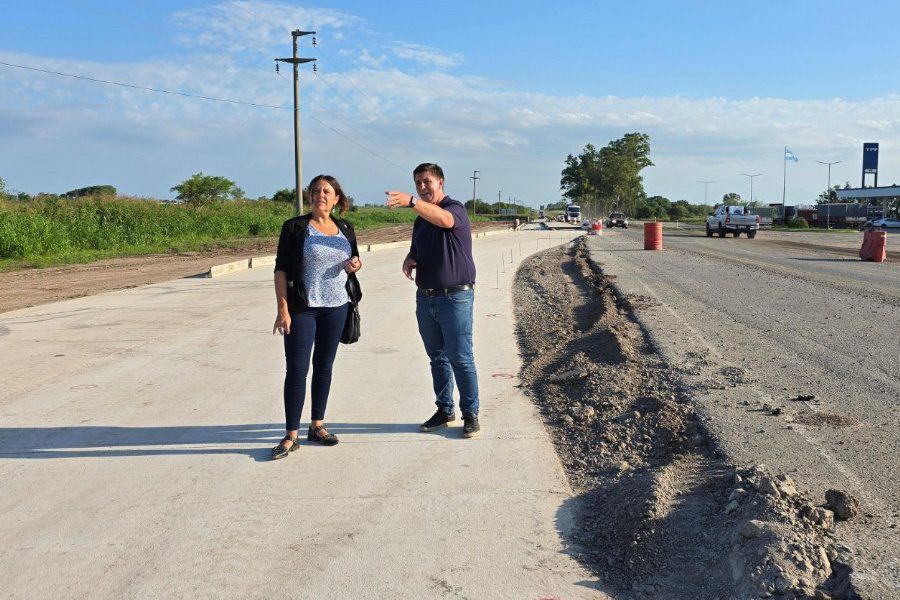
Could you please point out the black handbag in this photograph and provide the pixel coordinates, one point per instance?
(350, 334)
(351, 331)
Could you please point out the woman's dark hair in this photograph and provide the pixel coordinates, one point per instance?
(343, 201)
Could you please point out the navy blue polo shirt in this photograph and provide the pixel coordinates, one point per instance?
(444, 256)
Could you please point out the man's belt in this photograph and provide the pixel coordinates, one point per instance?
(446, 291)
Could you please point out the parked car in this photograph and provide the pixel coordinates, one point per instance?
(883, 224)
(731, 219)
(617, 219)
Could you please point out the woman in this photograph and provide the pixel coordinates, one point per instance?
(314, 276)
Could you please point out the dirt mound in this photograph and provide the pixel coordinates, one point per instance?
(660, 511)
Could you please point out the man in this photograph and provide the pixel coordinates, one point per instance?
(441, 256)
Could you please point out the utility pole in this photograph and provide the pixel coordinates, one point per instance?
(751, 176)
(498, 201)
(705, 183)
(828, 192)
(298, 169)
(474, 179)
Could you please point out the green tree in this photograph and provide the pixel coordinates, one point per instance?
(829, 196)
(481, 207)
(654, 207)
(287, 195)
(731, 198)
(284, 195)
(201, 190)
(608, 177)
(679, 210)
(94, 190)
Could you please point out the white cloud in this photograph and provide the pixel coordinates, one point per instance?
(62, 133)
(256, 25)
(426, 55)
(367, 59)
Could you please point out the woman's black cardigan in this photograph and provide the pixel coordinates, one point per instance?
(290, 259)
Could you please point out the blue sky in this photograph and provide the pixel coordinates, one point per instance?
(471, 85)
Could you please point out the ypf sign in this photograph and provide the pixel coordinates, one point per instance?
(870, 161)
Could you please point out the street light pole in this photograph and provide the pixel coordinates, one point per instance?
(298, 168)
(751, 176)
(828, 192)
(705, 189)
(474, 178)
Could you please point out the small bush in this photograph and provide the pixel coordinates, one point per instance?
(798, 223)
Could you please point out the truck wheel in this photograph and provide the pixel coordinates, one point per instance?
(708, 231)
(751, 234)
(737, 233)
(721, 231)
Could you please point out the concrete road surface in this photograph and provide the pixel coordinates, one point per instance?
(756, 322)
(136, 426)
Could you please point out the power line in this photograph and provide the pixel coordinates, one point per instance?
(201, 97)
(352, 141)
(147, 89)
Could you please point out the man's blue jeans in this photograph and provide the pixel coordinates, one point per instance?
(445, 324)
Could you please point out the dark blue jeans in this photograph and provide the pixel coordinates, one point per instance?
(316, 332)
(445, 324)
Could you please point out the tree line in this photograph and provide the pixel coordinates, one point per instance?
(602, 180)
(198, 191)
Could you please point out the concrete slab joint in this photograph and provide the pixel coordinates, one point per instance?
(262, 261)
(232, 267)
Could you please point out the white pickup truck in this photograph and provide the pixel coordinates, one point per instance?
(732, 219)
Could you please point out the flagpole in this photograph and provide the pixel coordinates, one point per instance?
(784, 186)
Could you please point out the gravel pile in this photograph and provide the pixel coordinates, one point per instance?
(661, 513)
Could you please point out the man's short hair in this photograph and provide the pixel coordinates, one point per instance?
(429, 168)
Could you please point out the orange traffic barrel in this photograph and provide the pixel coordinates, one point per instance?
(875, 246)
(652, 236)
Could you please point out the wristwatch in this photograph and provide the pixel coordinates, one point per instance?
(412, 201)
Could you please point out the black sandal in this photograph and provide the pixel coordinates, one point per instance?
(320, 434)
(280, 451)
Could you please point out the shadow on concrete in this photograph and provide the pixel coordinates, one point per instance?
(254, 440)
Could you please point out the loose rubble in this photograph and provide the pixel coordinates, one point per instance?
(661, 513)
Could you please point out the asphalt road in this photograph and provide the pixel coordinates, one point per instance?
(755, 322)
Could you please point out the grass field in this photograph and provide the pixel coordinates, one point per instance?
(53, 231)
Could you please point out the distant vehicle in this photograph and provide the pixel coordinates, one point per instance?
(573, 214)
(883, 224)
(617, 219)
(732, 219)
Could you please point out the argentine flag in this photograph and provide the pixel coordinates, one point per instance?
(788, 155)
